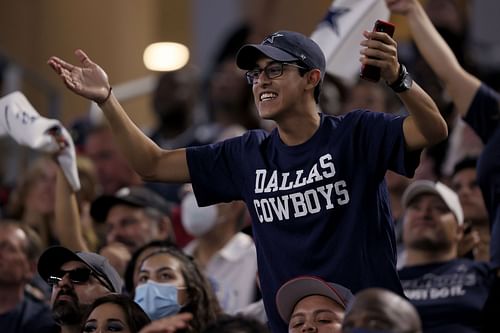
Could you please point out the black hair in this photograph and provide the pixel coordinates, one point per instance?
(129, 271)
(134, 315)
(317, 89)
(468, 162)
(202, 302)
(236, 324)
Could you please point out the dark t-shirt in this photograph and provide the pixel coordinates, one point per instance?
(484, 117)
(449, 296)
(29, 316)
(484, 113)
(317, 208)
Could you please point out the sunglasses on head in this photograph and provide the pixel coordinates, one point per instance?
(78, 275)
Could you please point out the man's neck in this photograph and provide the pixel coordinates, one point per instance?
(12, 295)
(416, 257)
(296, 129)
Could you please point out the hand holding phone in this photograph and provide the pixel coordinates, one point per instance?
(369, 72)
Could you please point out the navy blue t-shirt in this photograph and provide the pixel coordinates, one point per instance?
(318, 208)
(484, 117)
(449, 296)
(484, 113)
(29, 316)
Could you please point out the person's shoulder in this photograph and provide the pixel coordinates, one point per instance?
(360, 118)
(486, 91)
(359, 115)
(257, 134)
(35, 305)
(37, 316)
(252, 137)
(337, 120)
(484, 267)
(417, 270)
(240, 244)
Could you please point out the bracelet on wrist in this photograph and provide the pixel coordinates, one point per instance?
(403, 82)
(105, 99)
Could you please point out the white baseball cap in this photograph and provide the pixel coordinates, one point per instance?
(292, 291)
(449, 197)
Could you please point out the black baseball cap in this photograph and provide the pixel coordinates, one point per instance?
(135, 196)
(283, 46)
(54, 257)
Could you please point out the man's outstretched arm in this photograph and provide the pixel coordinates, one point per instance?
(149, 161)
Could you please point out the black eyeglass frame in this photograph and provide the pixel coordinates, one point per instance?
(54, 279)
(253, 75)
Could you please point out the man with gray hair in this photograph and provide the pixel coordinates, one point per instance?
(20, 311)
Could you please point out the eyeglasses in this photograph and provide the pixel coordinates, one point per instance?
(78, 275)
(272, 71)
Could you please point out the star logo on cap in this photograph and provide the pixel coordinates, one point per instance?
(270, 39)
(332, 16)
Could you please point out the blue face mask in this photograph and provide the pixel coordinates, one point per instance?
(158, 300)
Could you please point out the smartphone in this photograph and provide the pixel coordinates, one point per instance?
(369, 72)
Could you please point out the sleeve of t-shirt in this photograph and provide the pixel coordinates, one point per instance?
(484, 112)
(383, 140)
(214, 171)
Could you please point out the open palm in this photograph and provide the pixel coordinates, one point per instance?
(89, 80)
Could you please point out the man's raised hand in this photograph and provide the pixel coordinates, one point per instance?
(89, 80)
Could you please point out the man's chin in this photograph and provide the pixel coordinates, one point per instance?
(64, 299)
(67, 312)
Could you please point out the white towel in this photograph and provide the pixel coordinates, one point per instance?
(23, 123)
(340, 32)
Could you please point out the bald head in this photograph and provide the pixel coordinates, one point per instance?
(380, 309)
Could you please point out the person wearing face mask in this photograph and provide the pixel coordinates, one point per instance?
(171, 287)
(225, 254)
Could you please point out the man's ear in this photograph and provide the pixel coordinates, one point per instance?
(313, 78)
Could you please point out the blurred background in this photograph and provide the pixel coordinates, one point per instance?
(114, 33)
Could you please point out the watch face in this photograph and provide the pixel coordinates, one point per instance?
(407, 82)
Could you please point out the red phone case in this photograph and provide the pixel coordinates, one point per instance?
(372, 73)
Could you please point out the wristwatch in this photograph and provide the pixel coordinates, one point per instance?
(403, 82)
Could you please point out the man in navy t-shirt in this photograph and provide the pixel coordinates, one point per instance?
(315, 185)
(448, 292)
(479, 105)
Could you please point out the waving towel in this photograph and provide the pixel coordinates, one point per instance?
(23, 123)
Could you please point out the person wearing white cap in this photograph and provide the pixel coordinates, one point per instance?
(308, 303)
(448, 292)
